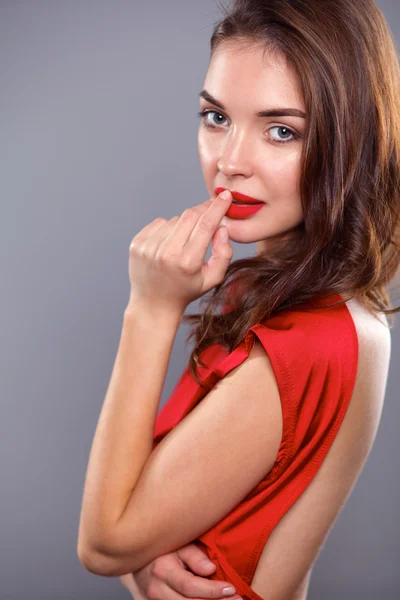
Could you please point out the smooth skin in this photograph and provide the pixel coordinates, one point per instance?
(241, 152)
(175, 576)
(257, 156)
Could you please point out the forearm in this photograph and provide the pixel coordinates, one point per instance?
(123, 438)
(130, 583)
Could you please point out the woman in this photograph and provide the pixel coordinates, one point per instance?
(259, 446)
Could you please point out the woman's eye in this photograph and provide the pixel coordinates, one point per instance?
(204, 114)
(285, 131)
(215, 121)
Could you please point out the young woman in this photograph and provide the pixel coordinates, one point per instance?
(254, 455)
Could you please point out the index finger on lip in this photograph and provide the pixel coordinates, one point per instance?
(204, 205)
(223, 201)
(211, 203)
(206, 227)
(221, 204)
(225, 195)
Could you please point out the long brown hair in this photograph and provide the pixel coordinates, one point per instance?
(348, 243)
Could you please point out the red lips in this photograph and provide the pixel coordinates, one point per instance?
(239, 197)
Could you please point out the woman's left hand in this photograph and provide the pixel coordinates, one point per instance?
(166, 258)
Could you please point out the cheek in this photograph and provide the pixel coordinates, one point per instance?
(206, 155)
(283, 177)
(282, 172)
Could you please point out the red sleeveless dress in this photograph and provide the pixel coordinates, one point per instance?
(314, 355)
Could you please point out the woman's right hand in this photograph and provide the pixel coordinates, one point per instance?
(179, 575)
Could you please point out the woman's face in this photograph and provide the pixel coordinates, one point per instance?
(253, 155)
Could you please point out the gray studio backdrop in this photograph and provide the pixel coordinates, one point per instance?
(98, 103)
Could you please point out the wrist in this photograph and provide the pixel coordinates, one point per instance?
(153, 314)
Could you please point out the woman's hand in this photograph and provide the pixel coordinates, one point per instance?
(166, 258)
(167, 578)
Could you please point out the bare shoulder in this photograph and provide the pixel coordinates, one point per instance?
(374, 349)
(374, 340)
(372, 327)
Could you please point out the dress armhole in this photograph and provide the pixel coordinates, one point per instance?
(277, 352)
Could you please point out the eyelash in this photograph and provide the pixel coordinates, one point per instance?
(202, 114)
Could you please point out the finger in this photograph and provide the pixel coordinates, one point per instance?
(203, 205)
(158, 236)
(147, 230)
(196, 559)
(156, 224)
(193, 586)
(150, 243)
(190, 586)
(182, 230)
(168, 593)
(218, 263)
(206, 226)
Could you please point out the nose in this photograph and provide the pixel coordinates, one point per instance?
(236, 157)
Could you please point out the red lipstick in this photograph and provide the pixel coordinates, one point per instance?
(246, 207)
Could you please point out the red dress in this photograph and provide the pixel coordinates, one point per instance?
(314, 355)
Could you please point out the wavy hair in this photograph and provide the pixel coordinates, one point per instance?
(348, 243)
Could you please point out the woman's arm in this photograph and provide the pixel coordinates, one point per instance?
(123, 439)
(183, 573)
(302, 590)
(182, 482)
(129, 582)
(184, 583)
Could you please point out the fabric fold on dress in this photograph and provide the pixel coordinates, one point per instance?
(313, 350)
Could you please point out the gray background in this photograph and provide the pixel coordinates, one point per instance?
(98, 104)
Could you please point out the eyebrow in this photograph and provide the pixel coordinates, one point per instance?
(272, 112)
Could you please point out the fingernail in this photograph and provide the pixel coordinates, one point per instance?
(207, 563)
(226, 195)
(228, 591)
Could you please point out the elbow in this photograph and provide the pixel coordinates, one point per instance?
(96, 562)
(107, 555)
(107, 565)
(92, 555)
